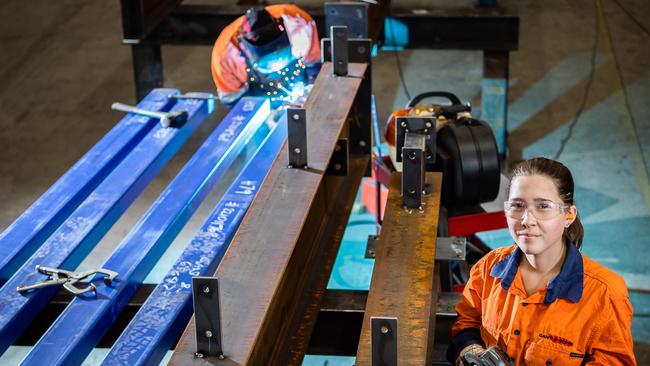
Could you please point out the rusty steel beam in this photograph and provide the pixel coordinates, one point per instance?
(403, 280)
(268, 265)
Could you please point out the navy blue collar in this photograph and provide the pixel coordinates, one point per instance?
(567, 284)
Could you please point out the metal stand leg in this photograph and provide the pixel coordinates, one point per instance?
(147, 68)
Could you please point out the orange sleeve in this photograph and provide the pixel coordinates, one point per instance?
(613, 342)
(227, 65)
(391, 134)
(469, 308)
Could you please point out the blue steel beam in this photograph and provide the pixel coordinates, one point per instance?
(76, 237)
(20, 240)
(166, 312)
(84, 321)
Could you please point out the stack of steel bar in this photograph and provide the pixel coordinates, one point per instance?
(63, 226)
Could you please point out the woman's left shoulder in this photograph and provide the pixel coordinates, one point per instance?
(603, 279)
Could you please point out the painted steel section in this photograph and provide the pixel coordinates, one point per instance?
(23, 237)
(494, 110)
(76, 237)
(84, 321)
(166, 312)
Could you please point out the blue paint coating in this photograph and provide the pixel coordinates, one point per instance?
(80, 327)
(76, 237)
(166, 312)
(20, 240)
(494, 109)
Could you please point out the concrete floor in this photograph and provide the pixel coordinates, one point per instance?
(62, 65)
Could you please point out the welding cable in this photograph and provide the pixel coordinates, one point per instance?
(590, 80)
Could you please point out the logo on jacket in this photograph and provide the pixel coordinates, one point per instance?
(556, 339)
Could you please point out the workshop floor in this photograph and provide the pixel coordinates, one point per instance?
(62, 65)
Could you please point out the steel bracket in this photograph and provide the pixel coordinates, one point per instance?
(339, 54)
(420, 125)
(207, 317)
(413, 183)
(371, 246)
(383, 333)
(338, 165)
(451, 248)
(297, 137)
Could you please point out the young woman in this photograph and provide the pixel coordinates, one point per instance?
(540, 300)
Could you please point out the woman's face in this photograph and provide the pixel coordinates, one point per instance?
(532, 235)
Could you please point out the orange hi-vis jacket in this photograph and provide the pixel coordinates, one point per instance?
(582, 317)
(228, 65)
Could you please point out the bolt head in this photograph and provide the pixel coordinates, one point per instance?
(384, 329)
(208, 334)
(428, 124)
(403, 124)
(361, 49)
(362, 143)
(198, 355)
(297, 150)
(206, 289)
(295, 116)
(337, 167)
(412, 156)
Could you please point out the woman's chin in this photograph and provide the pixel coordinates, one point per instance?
(530, 245)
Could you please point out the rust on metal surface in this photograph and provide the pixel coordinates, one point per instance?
(262, 272)
(403, 283)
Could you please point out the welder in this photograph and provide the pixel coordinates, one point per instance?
(272, 51)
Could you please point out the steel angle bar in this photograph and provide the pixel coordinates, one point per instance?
(164, 315)
(76, 237)
(82, 324)
(23, 237)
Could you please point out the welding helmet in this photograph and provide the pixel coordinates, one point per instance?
(264, 41)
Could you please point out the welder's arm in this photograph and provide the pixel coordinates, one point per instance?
(613, 343)
(466, 330)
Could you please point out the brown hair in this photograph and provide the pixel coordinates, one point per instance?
(561, 176)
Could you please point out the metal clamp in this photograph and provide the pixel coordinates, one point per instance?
(69, 279)
(167, 119)
(297, 137)
(383, 333)
(207, 317)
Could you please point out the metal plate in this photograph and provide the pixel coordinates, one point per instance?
(384, 341)
(413, 170)
(297, 132)
(422, 125)
(339, 54)
(207, 316)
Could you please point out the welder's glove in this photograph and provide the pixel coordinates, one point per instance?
(475, 349)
